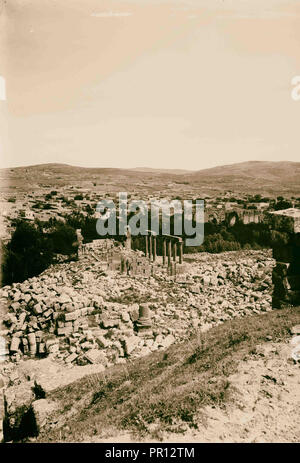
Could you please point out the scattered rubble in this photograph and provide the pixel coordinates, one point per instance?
(82, 317)
(100, 310)
(81, 314)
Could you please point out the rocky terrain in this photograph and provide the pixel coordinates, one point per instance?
(79, 313)
(77, 318)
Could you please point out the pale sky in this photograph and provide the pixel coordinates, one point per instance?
(157, 83)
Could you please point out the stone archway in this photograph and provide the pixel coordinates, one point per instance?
(232, 218)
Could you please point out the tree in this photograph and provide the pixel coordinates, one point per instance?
(64, 239)
(27, 254)
(282, 204)
(31, 250)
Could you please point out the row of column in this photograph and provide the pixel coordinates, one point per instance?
(169, 249)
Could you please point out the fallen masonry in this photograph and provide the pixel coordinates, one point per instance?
(72, 309)
(115, 304)
(82, 317)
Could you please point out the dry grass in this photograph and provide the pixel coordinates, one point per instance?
(166, 390)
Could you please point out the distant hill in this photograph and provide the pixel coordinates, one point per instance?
(271, 171)
(63, 169)
(66, 169)
(162, 171)
(283, 170)
(262, 177)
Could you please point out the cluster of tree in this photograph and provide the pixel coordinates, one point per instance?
(86, 223)
(258, 199)
(282, 203)
(42, 205)
(49, 195)
(214, 244)
(220, 238)
(32, 249)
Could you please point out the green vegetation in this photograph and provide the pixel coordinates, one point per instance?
(164, 392)
(31, 249)
(282, 203)
(220, 238)
(26, 255)
(20, 263)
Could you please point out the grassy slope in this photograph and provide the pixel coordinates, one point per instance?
(165, 390)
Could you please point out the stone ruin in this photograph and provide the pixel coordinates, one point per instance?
(78, 334)
(172, 248)
(285, 226)
(243, 216)
(123, 259)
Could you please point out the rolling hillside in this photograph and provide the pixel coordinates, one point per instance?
(247, 177)
(283, 171)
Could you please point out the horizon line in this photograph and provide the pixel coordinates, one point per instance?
(143, 167)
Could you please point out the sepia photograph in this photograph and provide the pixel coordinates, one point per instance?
(149, 225)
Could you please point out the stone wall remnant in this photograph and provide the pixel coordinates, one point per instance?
(285, 226)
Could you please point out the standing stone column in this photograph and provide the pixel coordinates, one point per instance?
(180, 252)
(144, 321)
(172, 269)
(123, 264)
(174, 251)
(146, 244)
(32, 344)
(285, 234)
(150, 247)
(164, 251)
(169, 252)
(154, 248)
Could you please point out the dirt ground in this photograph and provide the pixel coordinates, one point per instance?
(266, 406)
